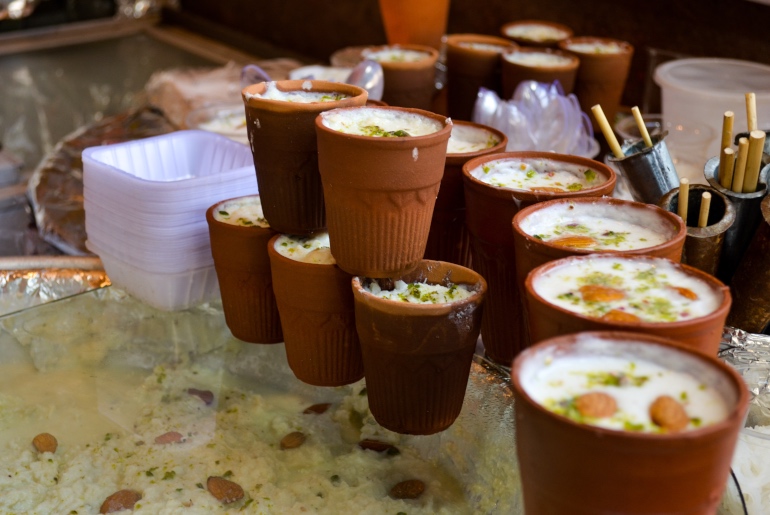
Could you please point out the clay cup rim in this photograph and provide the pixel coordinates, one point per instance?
(462, 157)
(453, 42)
(317, 86)
(304, 265)
(574, 60)
(428, 62)
(568, 32)
(240, 230)
(735, 413)
(625, 46)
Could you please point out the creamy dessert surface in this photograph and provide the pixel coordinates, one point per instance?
(596, 48)
(306, 95)
(380, 123)
(465, 139)
(396, 55)
(484, 47)
(544, 59)
(243, 211)
(597, 226)
(536, 32)
(312, 249)
(420, 292)
(537, 175)
(557, 382)
(614, 288)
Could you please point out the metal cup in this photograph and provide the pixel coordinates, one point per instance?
(747, 218)
(649, 171)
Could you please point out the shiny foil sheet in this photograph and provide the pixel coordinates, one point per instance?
(21, 289)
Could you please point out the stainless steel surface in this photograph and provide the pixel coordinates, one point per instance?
(649, 171)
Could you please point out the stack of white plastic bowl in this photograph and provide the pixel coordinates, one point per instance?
(145, 204)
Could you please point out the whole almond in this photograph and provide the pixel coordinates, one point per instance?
(599, 293)
(687, 293)
(45, 442)
(293, 440)
(409, 489)
(615, 315)
(668, 414)
(207, 396)
(596, 405)
(170, 437)
(575, 242)
(317, 408)
(378, 446)
(120, 500)
(546, 189)
(224, 490)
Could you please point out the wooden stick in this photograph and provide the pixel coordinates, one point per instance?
(642, 127)
(740, 166)
(754, 161)
(604, 125)
(726, 167)
(751, 111)
(684, 198)
(705, 204)
(727, 139)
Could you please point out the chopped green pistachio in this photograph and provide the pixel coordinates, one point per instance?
(575, 186)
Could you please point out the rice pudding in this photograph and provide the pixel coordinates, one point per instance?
(536, 32)
(537, 175)
(306, 95)
(313, 249)
(483, 47)
(618, 289)
(395, 55)
(466, 139)
(420, 292)
(538, 59)
(598, 226)
(596, 47)
(380, 123)
(620, 391)
(243, 211)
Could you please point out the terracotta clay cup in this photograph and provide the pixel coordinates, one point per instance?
(514, 72)
(601, 77)
(549, 35)
(408, 83)
(245, 283)
(532, 251)
(701, 333)
(380, 193)
(489, 211)
(317, 316)
(448, 238)
(473, 62)
(417, 357)
(283, 143)
(570, 467)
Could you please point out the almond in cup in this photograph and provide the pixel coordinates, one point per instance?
(239, 234)
(644, 294)
(496, 188)
(316, 308)
(621, 422)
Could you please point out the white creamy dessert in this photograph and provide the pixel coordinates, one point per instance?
(538, 59)
(243, 211)
(615, 288)
(536, 32)
(537, 175)
(419, 292)
(596, 48)
(597, 226)
(225, 121)
(379, 123)
(466, 138)
(482, 47)
(396, 55)
(561, 383)
(312, 249)
(306, 95)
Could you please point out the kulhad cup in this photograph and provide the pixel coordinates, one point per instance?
(409, 72)
(317, 315)
(489, 211)
(538, 64)
(569, 464)
(448, 238)
(417, 357)
(536, 33)
(473, 62)
(380, 190)
(243, 272)
(601, 78)
(283, 143)
(613, 292)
